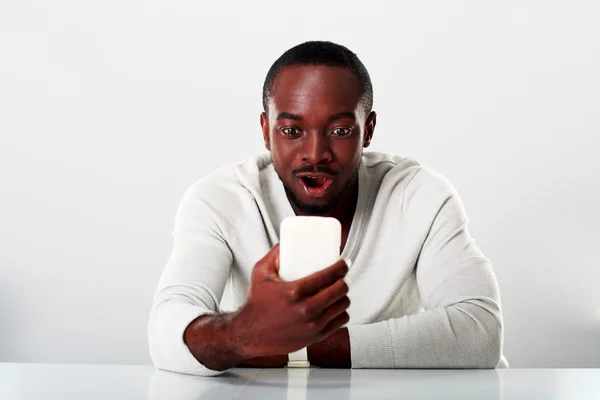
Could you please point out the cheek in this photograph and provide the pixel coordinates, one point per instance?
(284, 145)
(283, 153)
(348, 151)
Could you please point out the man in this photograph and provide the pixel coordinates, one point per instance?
(422, 294)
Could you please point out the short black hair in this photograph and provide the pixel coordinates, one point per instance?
(317, 53)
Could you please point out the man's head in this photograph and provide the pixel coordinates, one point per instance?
(317, 118)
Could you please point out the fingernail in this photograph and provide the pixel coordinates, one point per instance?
(348, 262)
(347, 280)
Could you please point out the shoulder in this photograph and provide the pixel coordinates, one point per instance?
(225, 194)
(418, 185)
(384, 162)
(429, 191)
(232, 181)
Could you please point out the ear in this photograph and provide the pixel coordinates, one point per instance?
(369, 128)
(264, 124)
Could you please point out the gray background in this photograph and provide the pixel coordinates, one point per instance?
(109, 110)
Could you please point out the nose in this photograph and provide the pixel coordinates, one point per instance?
(316, 149)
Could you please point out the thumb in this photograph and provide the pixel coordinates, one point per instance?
(268, 266)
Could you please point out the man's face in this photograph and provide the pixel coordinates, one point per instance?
(316, 129)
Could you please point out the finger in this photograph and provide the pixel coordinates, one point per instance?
(268, 266)
(321, 279)
(336, 323)
(317, 304)
(333, 312)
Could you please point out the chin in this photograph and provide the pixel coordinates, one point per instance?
(308, 205)
(314, 209)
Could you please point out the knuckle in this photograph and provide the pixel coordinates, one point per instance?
(312, 326)
(293, 294)
(303, 312)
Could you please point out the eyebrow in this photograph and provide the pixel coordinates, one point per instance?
(334, 117)
(285, 115)
(347, 114)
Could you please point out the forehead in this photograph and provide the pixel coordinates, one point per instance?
(315, 90)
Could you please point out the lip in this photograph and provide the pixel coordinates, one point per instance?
(316, 175)
(316, 192)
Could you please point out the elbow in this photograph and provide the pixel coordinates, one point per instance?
(166, 346)
(160, 358)
(165, 358)
(490, 351)
(483, 344)
(487, 351)
(479, 342)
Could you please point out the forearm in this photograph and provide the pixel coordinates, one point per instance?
(211, 340)
(467, 335)
(333, 352)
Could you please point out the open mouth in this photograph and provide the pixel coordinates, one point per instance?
(314, 181)
(315, 186)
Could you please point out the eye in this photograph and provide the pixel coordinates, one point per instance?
(290, 132)
(341, 132)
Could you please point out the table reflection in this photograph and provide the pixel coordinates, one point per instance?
(314, 383)
(169, 385)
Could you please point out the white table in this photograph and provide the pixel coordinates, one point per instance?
(61, 381)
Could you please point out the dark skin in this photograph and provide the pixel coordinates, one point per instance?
(315, 121)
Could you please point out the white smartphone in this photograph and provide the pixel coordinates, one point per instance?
(308, 244)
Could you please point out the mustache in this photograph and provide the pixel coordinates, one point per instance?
(315, 169)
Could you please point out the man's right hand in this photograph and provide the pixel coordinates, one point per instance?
(282, 317)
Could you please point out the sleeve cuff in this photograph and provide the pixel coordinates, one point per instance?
(167, 348)
(371, 346)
